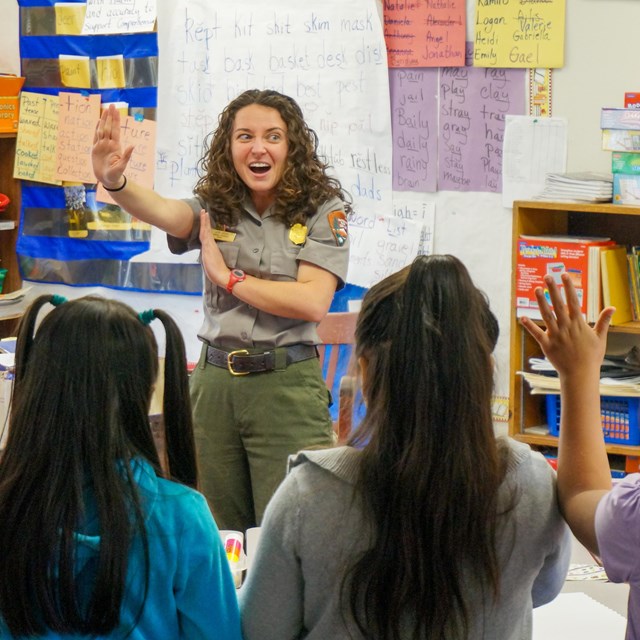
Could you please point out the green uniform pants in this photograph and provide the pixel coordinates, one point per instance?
(247, 426)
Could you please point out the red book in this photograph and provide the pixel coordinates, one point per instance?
(538, 256)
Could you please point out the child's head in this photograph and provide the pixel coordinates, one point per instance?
(426, 333)
(85, 377)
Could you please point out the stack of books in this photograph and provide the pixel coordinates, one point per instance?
(621, 135)
(585, 186)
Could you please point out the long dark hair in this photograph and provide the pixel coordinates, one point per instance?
(79, 418)
(431, 468)
(304, 186)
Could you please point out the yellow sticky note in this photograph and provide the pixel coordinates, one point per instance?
(75, 72)
(69, 18)
(110, 71)
(122, 107)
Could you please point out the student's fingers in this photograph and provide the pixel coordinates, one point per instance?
(601, 326)
(557, 301)
(573, 302)
(537, 333)
(546, 313)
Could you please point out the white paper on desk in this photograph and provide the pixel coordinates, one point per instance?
(576, 615)
(532, 148)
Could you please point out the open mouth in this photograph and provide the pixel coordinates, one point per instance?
(259, 167)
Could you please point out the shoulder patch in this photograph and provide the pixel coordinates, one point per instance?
(338, 223)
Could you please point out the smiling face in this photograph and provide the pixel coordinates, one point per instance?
(259, 150)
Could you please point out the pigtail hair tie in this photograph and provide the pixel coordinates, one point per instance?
(57, 300)
(146, 317)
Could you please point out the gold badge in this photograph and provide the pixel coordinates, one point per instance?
(298, 233)
(223, 235)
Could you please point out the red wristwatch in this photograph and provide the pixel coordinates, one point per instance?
(235, 276)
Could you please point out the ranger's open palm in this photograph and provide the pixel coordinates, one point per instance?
(108, 159)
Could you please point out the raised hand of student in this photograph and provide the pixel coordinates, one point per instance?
(576, 350)
(108, 159)
(212, 261)
(570, 344)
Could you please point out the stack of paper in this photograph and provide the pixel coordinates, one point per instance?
(545, 384)
(585, 186)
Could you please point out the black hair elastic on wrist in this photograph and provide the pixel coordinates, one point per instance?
(120, 188)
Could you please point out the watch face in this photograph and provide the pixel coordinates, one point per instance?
(238, 273)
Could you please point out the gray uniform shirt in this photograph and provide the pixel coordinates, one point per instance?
(263, 247)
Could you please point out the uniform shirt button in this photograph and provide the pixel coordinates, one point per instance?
(244, 335)
(256, 250)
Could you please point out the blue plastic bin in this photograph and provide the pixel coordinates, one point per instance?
(619, 418)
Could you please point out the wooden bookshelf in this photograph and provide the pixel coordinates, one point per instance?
(8, 259)
(527, 418)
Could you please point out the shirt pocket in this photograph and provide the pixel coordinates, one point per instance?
(284, 264)
(230, 252)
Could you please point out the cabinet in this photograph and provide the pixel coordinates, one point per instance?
(527, 417)
(8, 237)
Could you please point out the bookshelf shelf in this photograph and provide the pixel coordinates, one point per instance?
(9, 230)
(542, 440)
(527, 416)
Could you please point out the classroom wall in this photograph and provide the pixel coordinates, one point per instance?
(601, 56)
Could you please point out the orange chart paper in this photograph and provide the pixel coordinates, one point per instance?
(425, 34)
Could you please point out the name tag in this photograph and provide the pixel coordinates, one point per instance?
(223, 236)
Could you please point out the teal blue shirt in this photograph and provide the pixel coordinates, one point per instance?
(191, 593)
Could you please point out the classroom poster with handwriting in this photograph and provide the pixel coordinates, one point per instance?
(474, 103)
(425, 34)
(414, 126)
(35, 157)
(116, 16)
(77, 119)
(330, 58)
(394, 240)
(519, 33)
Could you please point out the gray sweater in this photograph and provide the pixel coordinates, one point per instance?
(313, 528)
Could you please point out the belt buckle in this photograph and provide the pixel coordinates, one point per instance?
(237, 352)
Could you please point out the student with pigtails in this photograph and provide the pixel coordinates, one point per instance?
(95, 539)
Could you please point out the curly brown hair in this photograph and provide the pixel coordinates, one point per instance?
(304, 185)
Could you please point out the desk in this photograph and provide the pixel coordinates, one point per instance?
(585, 609)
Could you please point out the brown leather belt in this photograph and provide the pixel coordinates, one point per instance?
(240, 362)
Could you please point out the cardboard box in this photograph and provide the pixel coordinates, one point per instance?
(611, 118)
(620, 140)
(10, 87)
(626, 188)
(631, 100)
